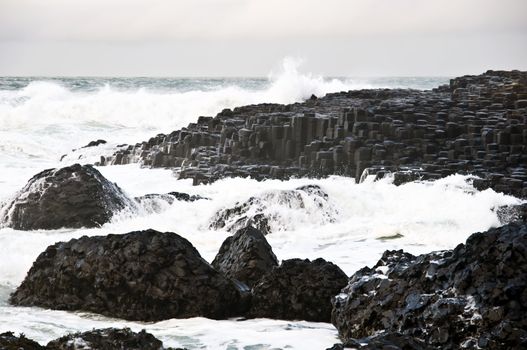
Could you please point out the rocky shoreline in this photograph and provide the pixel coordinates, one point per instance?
(473, 296)
(476, 125)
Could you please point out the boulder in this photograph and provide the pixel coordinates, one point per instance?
(74, 196)
(471, 297)
(298, 290)
(142, 275)
(108, 338)
(265, 212)
(154, 202)
(246, 256)
(9, 341)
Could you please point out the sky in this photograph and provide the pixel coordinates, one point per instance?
(251, 37)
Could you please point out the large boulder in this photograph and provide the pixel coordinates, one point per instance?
(246, 256)
(298, 290)
(266, 211)
(74, 196)
(143, 275)
(108, 338)
(474, 296)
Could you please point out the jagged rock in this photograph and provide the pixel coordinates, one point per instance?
(95, 143)
(142, 275)
(298, 290)
(246, 256)
(265, 211)
(9, 341)
(471, 297)
(474, 125)
(74, 196)
(109, 339)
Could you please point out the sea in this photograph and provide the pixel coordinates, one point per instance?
(44, 118)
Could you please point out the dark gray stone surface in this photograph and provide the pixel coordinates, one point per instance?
(474, 296)
(476, 125)
(143, 275)
(298, 290)
(245, 256)
(74, 196)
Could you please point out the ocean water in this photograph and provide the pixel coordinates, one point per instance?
(44, 118)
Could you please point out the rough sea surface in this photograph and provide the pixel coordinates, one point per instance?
(43, 118)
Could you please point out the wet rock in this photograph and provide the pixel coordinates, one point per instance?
(73, 197)
(265, 212)
(246, 256)
(476, 124)
(9, 341)
(298, 290)
(142, 275)
(109, 338)
(157, 202)
(95, 143)
(474, 294)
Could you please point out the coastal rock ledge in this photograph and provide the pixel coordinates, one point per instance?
(142, 275)
(472, 297)
(103, 339)
(73, 197)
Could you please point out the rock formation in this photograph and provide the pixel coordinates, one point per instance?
(472, 297)
(246, 256)
(475, 125)
(143, 275)
(298, 290)
(264, 211)
(74, 196)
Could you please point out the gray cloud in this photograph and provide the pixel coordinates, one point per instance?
(246, 37)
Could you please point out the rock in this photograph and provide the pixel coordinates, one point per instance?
(476, 124)
(94, 143)
(265, 212)
(142, 275)
(246, 256)
(73, 197)
(156, 202)
(298, 290)
(474, 294)
(8, 341)
(109, 338)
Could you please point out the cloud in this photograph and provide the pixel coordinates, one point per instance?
(137, 20)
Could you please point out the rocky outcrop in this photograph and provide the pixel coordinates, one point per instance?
(110, 338)
(103, 339)
(159, 202)
(246, 256)
(9, 341)
(143, 275)
(265, 211)
(73, 197)
(298, 290)
(474, 125)
(471, 297)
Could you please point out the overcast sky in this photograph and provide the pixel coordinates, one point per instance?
(250, 37)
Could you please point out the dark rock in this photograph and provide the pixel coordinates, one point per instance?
(246, 256)
(474, 124)
(8, 341)
(154, 201)
(94, 143)
(73, 197)
(474, 294)
(142, 275)
(260, 211)
(107, 339)
(298, 290)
